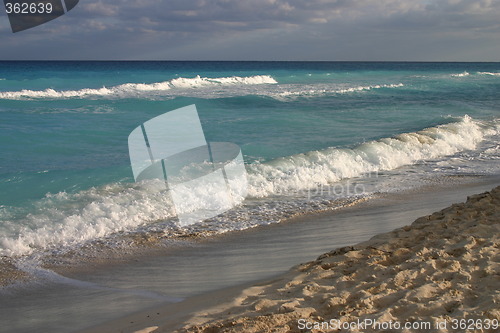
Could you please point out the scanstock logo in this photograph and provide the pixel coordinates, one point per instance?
(203, 179)
(26, 14)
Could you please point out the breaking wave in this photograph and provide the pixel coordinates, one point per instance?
(136, 89)
(300, 172)
(461, 74)
(318, 91)
(65, 220)
(489, 73)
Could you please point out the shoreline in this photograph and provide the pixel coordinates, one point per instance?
(441, 268)
(92, 259)
(174, 315)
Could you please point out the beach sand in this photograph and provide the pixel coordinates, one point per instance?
(441, 268)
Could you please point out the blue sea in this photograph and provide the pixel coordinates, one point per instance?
(314, 136)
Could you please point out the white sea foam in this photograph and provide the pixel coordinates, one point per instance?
(65, 220)
(461, 74)
(303, 171)
(68, 219)
(489, 73)
(134, 89)
(291, 93)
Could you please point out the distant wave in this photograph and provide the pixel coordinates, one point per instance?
(291, 94)
(489, 73)
(67, 220)
(130, 89)
(461, 74)
(465, 73)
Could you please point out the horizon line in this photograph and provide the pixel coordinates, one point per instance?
(318, 61)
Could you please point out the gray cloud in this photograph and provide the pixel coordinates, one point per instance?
(266, 29)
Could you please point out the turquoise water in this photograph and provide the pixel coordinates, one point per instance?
(65, 175)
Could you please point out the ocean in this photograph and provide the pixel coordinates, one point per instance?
(314, 136)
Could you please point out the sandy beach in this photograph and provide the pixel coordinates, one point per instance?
(442, 270)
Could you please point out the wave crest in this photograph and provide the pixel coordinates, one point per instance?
(304, 171)
(131, 89)
(461, 74)
(291, 94)
(489, 73)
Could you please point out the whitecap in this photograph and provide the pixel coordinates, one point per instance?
(461, 74)
(134, 89)
(489, 73)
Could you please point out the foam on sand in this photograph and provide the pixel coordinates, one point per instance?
(442, 267)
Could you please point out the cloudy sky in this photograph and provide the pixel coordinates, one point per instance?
(421, 30)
